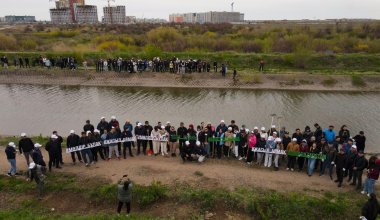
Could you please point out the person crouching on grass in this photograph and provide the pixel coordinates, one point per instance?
(124, 194)
(37, 172)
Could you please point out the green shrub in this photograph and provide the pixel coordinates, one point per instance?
(358, 81)
(329, 82)
(147, 195)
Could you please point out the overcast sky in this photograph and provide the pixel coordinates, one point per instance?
(253, 9)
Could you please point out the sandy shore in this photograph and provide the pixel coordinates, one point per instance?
(296, 81)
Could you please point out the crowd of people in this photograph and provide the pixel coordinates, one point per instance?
(41, 61)
(318, 150)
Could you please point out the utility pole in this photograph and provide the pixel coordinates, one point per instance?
(232, 6)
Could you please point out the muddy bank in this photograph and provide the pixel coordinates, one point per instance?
(295, 81)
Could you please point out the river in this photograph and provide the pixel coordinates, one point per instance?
(42, 109)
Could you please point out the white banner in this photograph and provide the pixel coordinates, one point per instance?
(83, 147)
(269, 151)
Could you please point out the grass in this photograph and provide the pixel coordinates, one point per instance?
(358, 81)
(258, 203)
(329, 82)
(198, 173)
(306, 82)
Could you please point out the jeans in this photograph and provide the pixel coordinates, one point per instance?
(207, 148)
(27, 156)
(310, 166)
(89, 154)
(268, 160)
(12, 170)
(111, 149)
(324, 165)
(369, 185)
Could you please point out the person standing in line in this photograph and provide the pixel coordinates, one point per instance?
(102, 125)
(173, 141)
(340, 163)
(10, 151)
(292, 147)
(148, 129)
(53, 148)
(127, 134)
(311, 161)
(88, 127)
(97, 150)
(279, 146)
(37, 155)
(360, 164)
(156, 143)
(86, 153)
(163, 135)
(26, 147)
(270, 145)
(60, 141)
(360, 141)
(113, 147)
(124, 194)
(73, 141)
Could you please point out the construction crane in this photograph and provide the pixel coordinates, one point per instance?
(110, 10)
(232, 6)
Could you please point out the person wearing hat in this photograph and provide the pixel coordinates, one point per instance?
(292, 147)
(37, 172)
(26, 147)
(141, 131)
(187, 151)
(340, 164)
(73, 141)
(261, 144)
(113, 123)
(304, 148)
(279, 146)
(10, 151)
(263, 132)
(360, 163)
(124, 194)
(37, 155)
(88, 127)
(351, 156)
(155, 134)
(163, 144)
(360, 140)
(228, 135)
(222, 126)
(113, 147)
(53, 148)
(97, 150)
(270, 145)
(102, 125)
(271, 130)
(60, 141)
(200, 152)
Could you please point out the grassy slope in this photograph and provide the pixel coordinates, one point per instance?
(257, 203)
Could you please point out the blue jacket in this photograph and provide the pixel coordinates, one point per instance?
(329, 136)
(270, 145)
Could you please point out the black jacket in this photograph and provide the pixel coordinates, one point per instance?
(340, 161)
(25, 145)
(360, 142)
(360, 163)
(53, 146)
(371, 209)
(103, 125)
(38, 158)
(72, 140)
(88, 127)
(182, 132)
(10, 152)
(140, 131)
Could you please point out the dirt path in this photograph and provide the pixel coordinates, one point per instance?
(296, 81)
(213, 173)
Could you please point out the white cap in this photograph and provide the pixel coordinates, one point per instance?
(255, 128)
(37, 145)
(273, 126)
(247, 130)
(53, 136)
(294, 139)
(23, 135)
(113, 127)
(102, 118)
(72, 132)
(162, 127)
(88, 132)
(139, 124)
(168, 122)
(262, 136)
(270, 138)
(187, 142)
(198, 143)
(113, 117)
(354, 146)
(230, 128)
(96, 131)
(304, 140)
(263, 128)
(12, 144)
(222, 121)
(32, 165)
(278, 140)
(274, 132)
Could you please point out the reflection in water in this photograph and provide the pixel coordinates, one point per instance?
(41, 109)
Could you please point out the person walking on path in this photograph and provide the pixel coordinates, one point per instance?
(26, 147)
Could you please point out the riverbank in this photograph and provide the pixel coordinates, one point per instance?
(217, 189)
(285, 81)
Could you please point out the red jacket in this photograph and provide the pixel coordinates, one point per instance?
(252, 141)
(373, 174)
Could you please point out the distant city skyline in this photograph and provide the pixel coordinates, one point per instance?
(253, 9)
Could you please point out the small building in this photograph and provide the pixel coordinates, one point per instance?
(61, 16)
(86, 14)
(114, 15)
(19, 19)
(2, 19)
